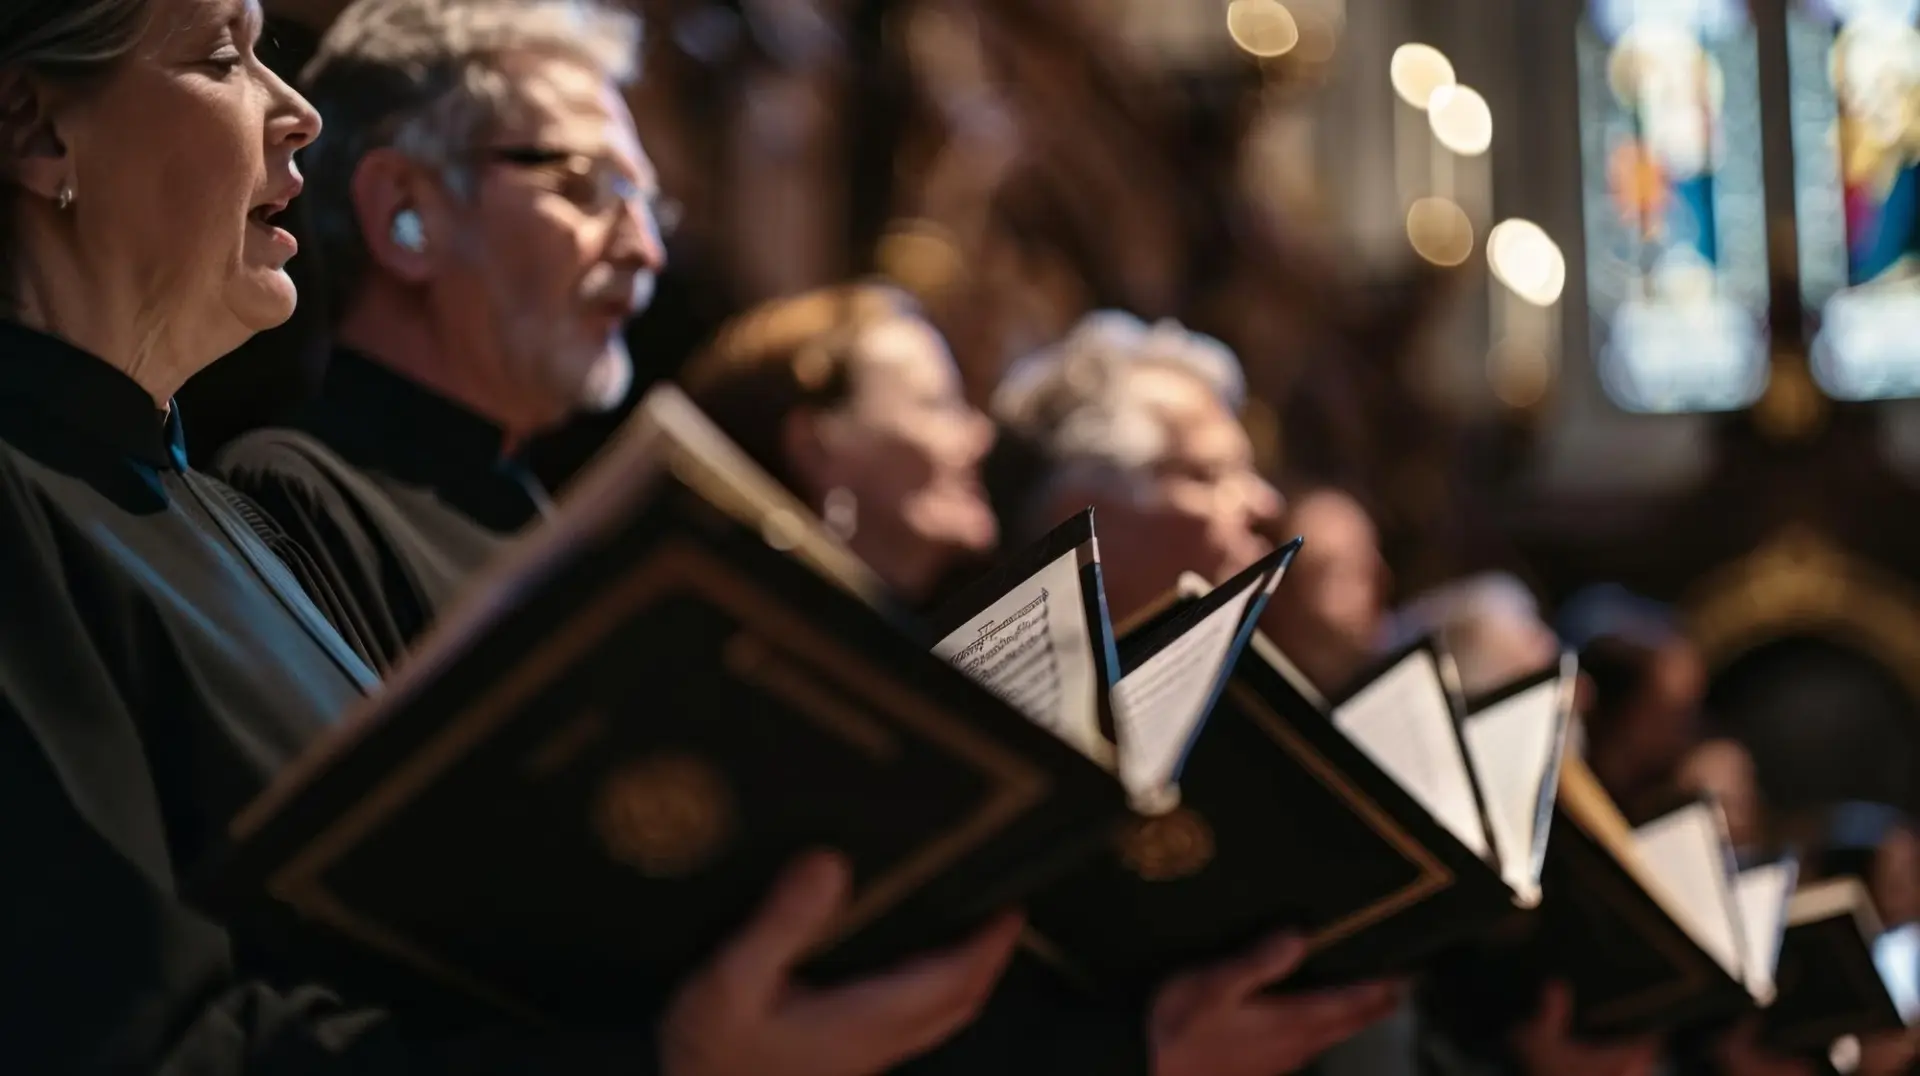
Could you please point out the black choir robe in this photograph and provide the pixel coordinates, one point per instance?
(399, 494)
(158, 663)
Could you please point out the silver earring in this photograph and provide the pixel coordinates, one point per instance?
(840, 511)
(408, 232)
(64, 198)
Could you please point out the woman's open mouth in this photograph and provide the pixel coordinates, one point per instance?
(262, 217)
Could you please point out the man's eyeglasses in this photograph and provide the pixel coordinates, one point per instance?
(595, 184)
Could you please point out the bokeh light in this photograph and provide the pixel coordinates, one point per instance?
(1264, 28)
(1417, 71)
(1527, 261)
(1440, 231)
(1461, 119)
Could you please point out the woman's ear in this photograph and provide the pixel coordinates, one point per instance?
(399, 214)
(36, 154)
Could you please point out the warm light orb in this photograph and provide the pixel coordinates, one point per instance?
(1519, 375)
(1527, 261)
(1264, 28)
(1417, 71)
(1440, 231)
(1461, 119)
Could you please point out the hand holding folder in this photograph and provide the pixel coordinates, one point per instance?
(743, 1013)
(1546, 1046)
(1221, 1020)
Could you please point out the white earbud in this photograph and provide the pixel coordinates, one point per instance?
(408, 232)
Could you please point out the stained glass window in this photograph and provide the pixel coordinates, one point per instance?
(1675, 211)
(1854, 71)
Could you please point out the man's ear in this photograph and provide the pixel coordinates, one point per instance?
(402, 214)
(36, 154)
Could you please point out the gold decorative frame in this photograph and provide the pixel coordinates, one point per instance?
(1803, 582)
(780, 650)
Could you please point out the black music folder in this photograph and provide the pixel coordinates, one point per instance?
(1362, 823)
(1839, 974)
(589, 773)
(1650, 926)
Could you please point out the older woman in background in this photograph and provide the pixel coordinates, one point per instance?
(1141, 421)
(158, 663)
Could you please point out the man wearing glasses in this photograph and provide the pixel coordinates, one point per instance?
(488, 222)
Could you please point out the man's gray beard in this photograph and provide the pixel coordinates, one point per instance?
(608, 380)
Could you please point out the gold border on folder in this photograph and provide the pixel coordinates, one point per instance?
(676, 568)
(1690, 971)
(1434, 876)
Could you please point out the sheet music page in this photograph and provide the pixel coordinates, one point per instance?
(1511, 746)
(1687, 850)
(1033, 649)
(1896, 955)
(1403, 722)
(1763, 893)
(1157, 705)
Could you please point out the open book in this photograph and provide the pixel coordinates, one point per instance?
(1738, 918)
(1839, 973)
(1036, 633)
(1288, 816)
(594, 766)
(1483, 771)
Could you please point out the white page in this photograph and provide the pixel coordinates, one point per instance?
(1032, 648)
(1687, 851)
(1896, 954)
(1511, 744)
(1403, 722)
(1763, 893)
(1157, 705)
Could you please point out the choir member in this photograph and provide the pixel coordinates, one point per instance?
(851, 399)
(1723, 769)
(488, 142)
(1141, 422)
(485, 214)
(1649, 683)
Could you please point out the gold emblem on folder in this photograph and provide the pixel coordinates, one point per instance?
(1168, 847)
(666, 816)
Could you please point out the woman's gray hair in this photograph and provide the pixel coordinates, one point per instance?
(1078, 401)
(76, 42)
(1080, 406)
(425, 77)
